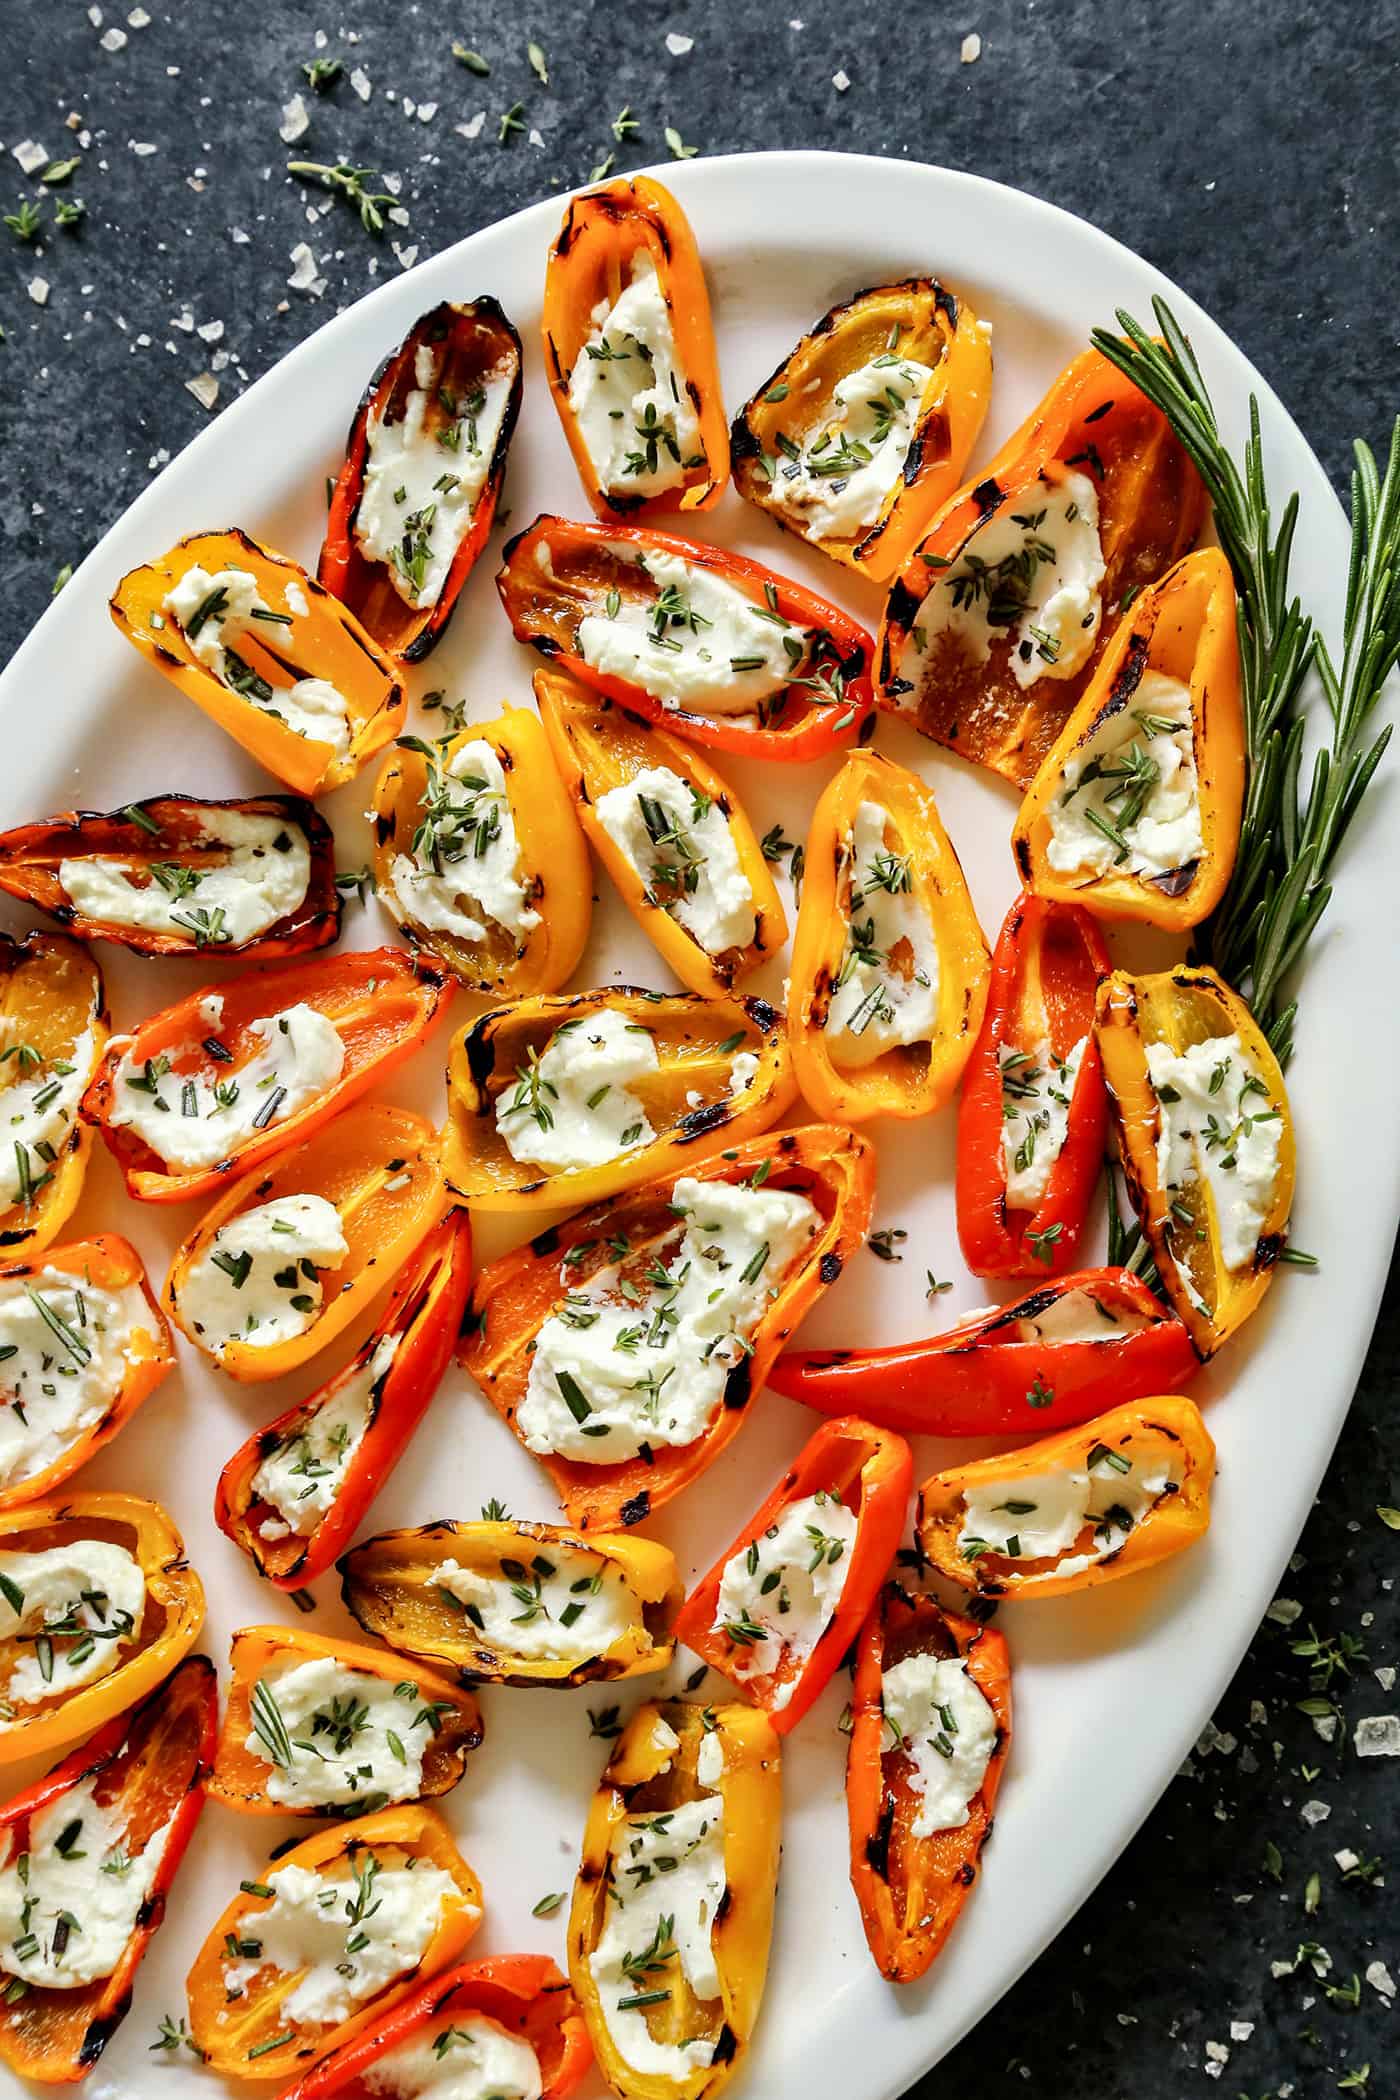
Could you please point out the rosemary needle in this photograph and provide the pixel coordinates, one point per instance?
(1289, 834)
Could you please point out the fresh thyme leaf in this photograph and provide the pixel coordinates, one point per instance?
(351, 183)
(677, 146)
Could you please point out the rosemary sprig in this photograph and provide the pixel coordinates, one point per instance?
(1290, 833)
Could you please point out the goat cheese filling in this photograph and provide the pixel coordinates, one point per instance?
(1130, 803)
(571, 1106)
(331, 1735)
(886, 989)
(264, 879)
(39, 1096)
(1039, 1516)
(839, 484)
(66, 1350)
(562, 1602)
(213, 612)
(259, 1279)
(70, 1902)
(423, 479)
(940, 1720)
(661, 1918)
(303, 1477)
(680, 845)
(777, 1598)
(1037, 1089)
(192, 1122)
(618, 1369)
(1030, 577)
(344, 1938)
(70, 1613)
(1219, 1125)
(700, 642)
(473, 2059)
(464, 874)
(630, 395)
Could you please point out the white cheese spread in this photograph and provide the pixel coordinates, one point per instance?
(263, 880)
(71, 1611)
(39, 1096)
(192, 1122)
(886, 990)
(941, 1721)
(71, 1901)
(629, 394)
(777, 1598)
(216, 611)
(571, 1106)
(1037, 1089)
(1039, 1516)
(353, 1736)
(555, 1601)
(681, 847)
(302, 1479)
(1130, 803)
(66, 1349)
(464, 874)
(660, 1911)
(472, 2059)
(258, 1281)
(1218, 1122)
(839, 484)
(699, 643)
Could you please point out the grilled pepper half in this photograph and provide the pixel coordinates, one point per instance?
(669, 1967)
(295, 1493)
(479, 859)
(53, 1026)
(629, 351)
(1117, 1494)
(1136, 809)
(1205, 1136)
(426, 458)
(889, 966)
(1034, 1109)
(866, 428)
(124, 1805)
(1046, 1360)
(623, 1346)
(778, 1610)
(714, 645)
(233, 1074)
(568, 1100)
(673, 836)
(513, 2013)
(267, 653)
(504, 1602)
(996, 622)
(322, 1728)
(173, 876)
(84, 1344)
(292, 1252)
(930, 1732)
(380, 1903)
(99, 1605)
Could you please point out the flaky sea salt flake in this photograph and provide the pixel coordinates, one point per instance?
(205, 388)
(296, 121)
(969, 53)
(1377, 1735)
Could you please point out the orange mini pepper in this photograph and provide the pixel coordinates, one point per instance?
(334, 1476)
(522, 1994)
(457, 363)
(380, 1002)
(698, 1099)
(1054, 1356)
(579, 592)
(301, 635)
(838, 942)
(796, 431)
(380, 1172)
(172, 1612)
(250, 2033)
(431, 1716)
(660, 1766)
(172, 842)
(606, 233)
(53, 1026)
(68, 1279)
(618, 1247)
(1155, 1454)
(599, 746)
(390, 1586)
(1031, 1128)
(911, 1887)
(429, 826)
(146, 1768)
(868, 1472)
(1216, 1220)
(1132, 738)
(1151, 505)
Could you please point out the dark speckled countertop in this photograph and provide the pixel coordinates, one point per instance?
(1247, 150)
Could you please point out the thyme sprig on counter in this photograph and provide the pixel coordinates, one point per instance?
(1290, 831)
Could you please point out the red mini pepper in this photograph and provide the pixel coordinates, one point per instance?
(523, 1993)
(558, 572)
(424, 1312)
(870, 1471)
(1047, 965)
(987, 1377)
(911, 1889)
(151, 1761)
